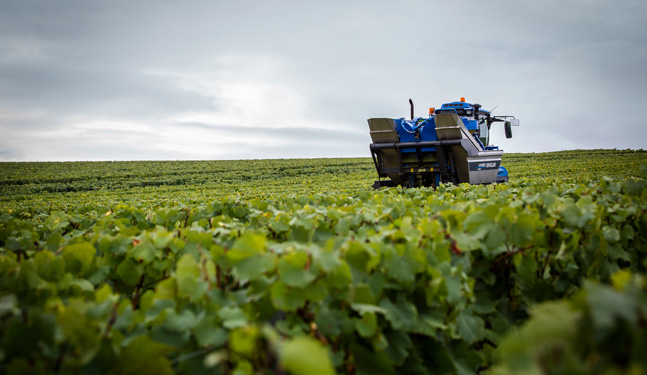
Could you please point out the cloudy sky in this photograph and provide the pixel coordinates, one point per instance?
(249, 79)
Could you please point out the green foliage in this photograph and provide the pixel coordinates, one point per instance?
(304, 355)
(602, 329)
(296, 266)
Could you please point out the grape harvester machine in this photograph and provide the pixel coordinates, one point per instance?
(451, 145)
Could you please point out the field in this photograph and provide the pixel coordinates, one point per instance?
(297, 266)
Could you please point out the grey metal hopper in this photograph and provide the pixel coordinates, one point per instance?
(473, 163)
(382, 130)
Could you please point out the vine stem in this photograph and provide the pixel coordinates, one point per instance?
(111, 322)
(513, 252)
(138, 292)
(59, 359)
(164, 277)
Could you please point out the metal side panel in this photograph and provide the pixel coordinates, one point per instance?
(484, 168)
(390, 159)
(460, 163)
(383, 130)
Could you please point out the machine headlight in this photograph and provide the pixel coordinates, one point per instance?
(468, 112)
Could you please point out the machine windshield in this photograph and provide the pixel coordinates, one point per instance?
(464, 111)
(484, 134)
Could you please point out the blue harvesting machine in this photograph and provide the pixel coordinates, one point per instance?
(452, 145)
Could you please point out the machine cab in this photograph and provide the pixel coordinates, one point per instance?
(475, 119)
(478, 121)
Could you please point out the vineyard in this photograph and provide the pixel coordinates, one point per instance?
(298, 267)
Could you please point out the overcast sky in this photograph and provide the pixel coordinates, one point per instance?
(248, 79)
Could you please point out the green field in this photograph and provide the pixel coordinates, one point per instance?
(297, 266)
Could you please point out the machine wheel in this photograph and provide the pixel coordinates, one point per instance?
(412, 181)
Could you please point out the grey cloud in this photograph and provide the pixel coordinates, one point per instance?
(301, 135)
(102, 91)
(286, 142)
(557, 65)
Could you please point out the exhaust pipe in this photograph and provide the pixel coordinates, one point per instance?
(411, 104)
